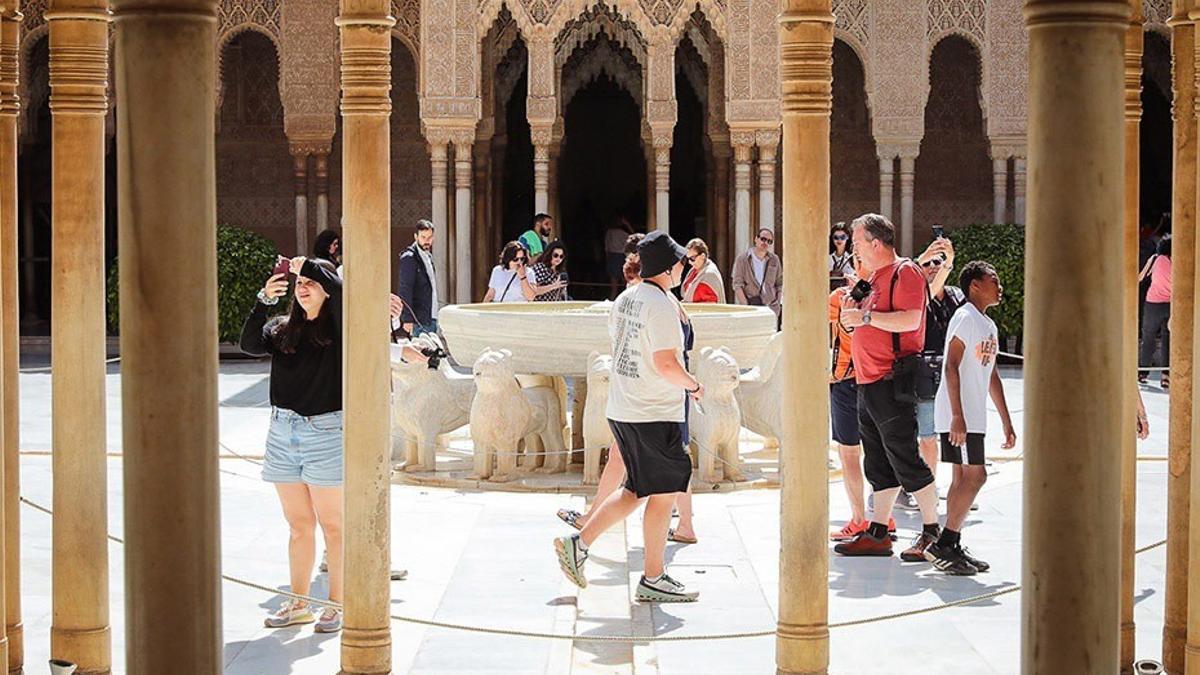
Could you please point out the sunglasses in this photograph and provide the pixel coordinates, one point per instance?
(840, 237)
(936, 262)
(766, 240)
(521, 259)
(692, 258)
(557, 256)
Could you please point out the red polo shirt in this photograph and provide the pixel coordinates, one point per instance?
(873, 348)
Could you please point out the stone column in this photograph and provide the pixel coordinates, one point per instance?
(365, 30)
(439, 141)
(887, 178)
(720, 190)
(768, 143)
(741, 193)
(321, 171)
(999, 189)
(166, 75)
(79, 631)
(1075, 119)
(480, 241)
(300, 178)
(552, 205)
(662, 183)
(908, 162)
(1134, 39)
(541, 136)
(464, 142)
(10, 560)
(1183, 226)
(1019, 190)
(806, 68)
(651, 193)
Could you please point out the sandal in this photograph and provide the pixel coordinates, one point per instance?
(680, 539)
(570, 517)
(1165, 383)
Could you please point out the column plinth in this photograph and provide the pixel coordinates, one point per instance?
(806, 67)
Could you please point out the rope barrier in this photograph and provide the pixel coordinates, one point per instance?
(630, 639)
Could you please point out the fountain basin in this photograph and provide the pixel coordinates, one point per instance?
(555, 338)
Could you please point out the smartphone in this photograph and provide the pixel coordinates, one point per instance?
(282, 266)
(938, 232)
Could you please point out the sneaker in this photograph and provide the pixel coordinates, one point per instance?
(979, 564)
(907, 502)
(847, 533)
(916, 552)
(950, 559)
(330, 621)
(864, 544)
(664, 589)
(571, 557)
(290, 613)
(892, 529)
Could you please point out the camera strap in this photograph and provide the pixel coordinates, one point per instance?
(892, 301)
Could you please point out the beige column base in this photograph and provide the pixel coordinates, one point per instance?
(86, 646)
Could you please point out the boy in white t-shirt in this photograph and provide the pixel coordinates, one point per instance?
(960, 411)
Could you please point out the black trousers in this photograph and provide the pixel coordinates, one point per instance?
(889, 439)
(1154, 321)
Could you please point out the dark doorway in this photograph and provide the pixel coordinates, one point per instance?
(689, 160)
(518, 197)
(1156, 130)
(602, 175)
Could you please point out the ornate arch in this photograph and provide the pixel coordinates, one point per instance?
(631, 17)
(980, 66)
(966, 17)
(408, 26)
(712, 11)
(29, 41)
(860, 50)
(602, 57)
(226, 37)
(599, 19)
(265, 14)
(1156, 13)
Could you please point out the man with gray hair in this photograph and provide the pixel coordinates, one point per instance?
(889, 333)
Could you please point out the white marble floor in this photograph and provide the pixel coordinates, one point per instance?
(485, 559)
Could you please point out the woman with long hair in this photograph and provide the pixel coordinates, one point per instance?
(1158, 310)
(508, 278)
(304, 444)
(547, 278)
(328, 246)
(841, 255)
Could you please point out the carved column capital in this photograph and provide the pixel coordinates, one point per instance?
(741, 138)
(10, 30)
(79, 61)
(366, 64)
(541, 135)
(767, 141)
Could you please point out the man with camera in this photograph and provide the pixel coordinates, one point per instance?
(889, 325)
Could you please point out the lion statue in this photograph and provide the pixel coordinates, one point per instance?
(716, 422)
(506, 419)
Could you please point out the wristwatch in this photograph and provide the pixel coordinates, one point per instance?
(866, 318)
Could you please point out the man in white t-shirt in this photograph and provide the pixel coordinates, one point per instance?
(646, 413)
(960, 411)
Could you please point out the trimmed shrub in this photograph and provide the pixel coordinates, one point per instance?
(244, 261)
(1004, 247)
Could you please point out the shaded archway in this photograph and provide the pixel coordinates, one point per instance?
(602, 166)
(690, 152)
(35, 194)
(854, 166)
(953, 183)
(255, 189)
(1156, 130)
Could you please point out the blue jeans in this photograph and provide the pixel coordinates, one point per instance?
(304, 449)
(423, 328)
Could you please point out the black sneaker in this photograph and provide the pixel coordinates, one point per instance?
(916, 552)
(950, 559)
(979, 564)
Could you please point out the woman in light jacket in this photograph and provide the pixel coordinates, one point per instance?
(703, 283)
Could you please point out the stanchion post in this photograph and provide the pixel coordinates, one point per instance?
(1076, 70)
(806, 71)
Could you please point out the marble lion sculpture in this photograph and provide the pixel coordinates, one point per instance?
(426, 403)
(596, 433)
(760, 394)
(505, 418)
(716, 423)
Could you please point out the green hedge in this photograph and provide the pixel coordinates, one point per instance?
(1004, 247)
(244, 261)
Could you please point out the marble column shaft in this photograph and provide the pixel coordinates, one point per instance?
(1019, 190)
(662, 184)
(1183, 263)
(300, 180)
(887, 179)
(10, 566)
(365, 29)
(741, 197)
(768, 144)
(908, 163)
(439, 167)
(806, 69)
(1076, 57)
(999, 189)
(464, 143)
(79, 630)
(166, 76)
(321, 173)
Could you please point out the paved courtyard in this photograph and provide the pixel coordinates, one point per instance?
(484, 559)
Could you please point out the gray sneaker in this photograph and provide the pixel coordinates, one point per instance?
(571, 557)
(664, 589)
(290, 613)
(330, 621)
(907, 502)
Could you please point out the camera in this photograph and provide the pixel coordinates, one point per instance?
(431, 348)
(861, 290)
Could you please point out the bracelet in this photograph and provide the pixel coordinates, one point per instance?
(262, 297)
(693, 391)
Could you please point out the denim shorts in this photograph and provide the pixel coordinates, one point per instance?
(304, 449)
(925, 419)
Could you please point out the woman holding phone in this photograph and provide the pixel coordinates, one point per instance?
(546, 281)
(507, 280)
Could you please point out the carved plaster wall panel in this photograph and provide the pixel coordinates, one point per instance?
(898, 47)
(232, 15)
(1156, 14)
(1005, 70)
(408, 24)
(309, 76)
(966, 17)
(853, 22)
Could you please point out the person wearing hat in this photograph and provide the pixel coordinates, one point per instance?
(647, 413)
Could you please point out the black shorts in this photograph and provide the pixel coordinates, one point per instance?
(889, 439)
(843, 412)
(974, 454)
(656, 459)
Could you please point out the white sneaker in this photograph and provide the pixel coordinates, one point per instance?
(664, 589)
(330, 621)
(571, 557)
(290, 613)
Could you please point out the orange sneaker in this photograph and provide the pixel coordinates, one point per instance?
(847, 533)
(892, 528)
